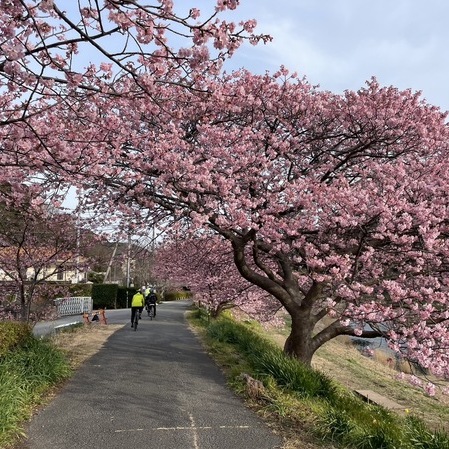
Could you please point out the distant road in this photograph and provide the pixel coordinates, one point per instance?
(155, 389)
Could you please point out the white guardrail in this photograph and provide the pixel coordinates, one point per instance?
(74, 305)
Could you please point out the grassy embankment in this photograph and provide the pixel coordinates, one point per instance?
(29, 368)
(32, 369)
(317, 408)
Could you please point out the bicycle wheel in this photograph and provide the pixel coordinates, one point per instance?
(136, 320)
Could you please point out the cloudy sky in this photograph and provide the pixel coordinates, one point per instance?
(339, 44)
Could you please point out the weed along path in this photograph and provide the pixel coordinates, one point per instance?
(154, 388)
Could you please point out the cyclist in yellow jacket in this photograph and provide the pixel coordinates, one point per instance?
(137, 304)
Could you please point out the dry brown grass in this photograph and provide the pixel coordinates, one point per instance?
(343, 362)
(84, 342)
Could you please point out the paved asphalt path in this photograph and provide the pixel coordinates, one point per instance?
(155, 388)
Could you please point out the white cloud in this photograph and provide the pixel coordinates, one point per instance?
(341, 43)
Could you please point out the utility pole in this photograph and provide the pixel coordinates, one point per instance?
(111, 260)
(153, 238)
(128, 262)
(78, 236)
(128, 268)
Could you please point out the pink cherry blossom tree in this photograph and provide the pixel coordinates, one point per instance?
(36, 243)
(64, 55)
(205, 265)
(63, 65)
(41, 60)
(335, 205)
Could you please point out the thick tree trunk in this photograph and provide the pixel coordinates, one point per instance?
(299, 343)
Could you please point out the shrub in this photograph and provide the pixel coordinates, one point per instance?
(381, 436)
(174, 295)
(13, 334)
(104, 296)
(124, 296)
(38, 362)
(422, 438)
(228, 331)
(80, 289)
(334, 424)
(294, 375)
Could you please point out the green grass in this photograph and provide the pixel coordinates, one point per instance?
(305, 400)
(25, 375)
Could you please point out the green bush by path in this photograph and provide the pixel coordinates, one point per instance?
(293, 375)
(176, 295)
(80, 289)
(13, 334)
(25, 374)
(104, 296)
(124, 297)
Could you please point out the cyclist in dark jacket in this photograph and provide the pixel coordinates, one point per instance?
(151, 300)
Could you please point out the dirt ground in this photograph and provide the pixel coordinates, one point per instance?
(84, 342)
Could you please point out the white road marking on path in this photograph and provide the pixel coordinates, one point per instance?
(183, 428)
(201, 427)
(195, 431)
(192, 428)
(129, 430)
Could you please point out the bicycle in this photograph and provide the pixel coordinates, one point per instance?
(150, 310)
(136, 320)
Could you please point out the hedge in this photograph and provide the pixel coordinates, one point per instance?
(111, 296)
(13, 334)
(104, 296)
